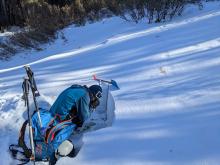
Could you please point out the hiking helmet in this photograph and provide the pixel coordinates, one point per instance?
(96, 92)
(64, 149)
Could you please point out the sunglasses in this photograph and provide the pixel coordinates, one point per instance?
(98, 95)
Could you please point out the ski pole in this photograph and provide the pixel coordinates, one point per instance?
(37, 109)
(26, 87)
(106, 104)
(35, 92)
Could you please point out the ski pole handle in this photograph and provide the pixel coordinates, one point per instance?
(112, 82)
(26, 85)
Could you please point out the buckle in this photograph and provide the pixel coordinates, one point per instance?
(98, 95)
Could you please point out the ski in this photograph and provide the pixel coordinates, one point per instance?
(34, 90)
(26, 87)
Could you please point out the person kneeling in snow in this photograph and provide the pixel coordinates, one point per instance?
(75, 104)
(52, 139)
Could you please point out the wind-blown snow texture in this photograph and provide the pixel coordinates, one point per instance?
(168, 108)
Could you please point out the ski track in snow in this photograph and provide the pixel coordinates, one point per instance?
(168, 108)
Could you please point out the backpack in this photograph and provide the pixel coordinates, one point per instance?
(46, 139)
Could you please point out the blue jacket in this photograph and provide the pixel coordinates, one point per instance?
(74, 97)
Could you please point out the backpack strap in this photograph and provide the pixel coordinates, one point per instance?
(15, 150)
(21, 142)
(55, 130)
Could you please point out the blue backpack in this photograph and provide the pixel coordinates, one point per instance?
(46, 139)
(53, 132)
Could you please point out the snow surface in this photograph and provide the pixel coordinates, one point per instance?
(168, 108)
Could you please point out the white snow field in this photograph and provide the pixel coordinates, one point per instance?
(168, 108)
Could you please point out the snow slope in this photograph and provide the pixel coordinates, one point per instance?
(168, 108)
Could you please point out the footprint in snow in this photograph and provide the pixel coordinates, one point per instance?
(163, 70)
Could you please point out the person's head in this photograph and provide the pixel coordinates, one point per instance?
(96, 92)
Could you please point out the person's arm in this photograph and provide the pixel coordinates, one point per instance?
(83, 108)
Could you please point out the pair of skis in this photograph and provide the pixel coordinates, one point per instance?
(29, 83)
